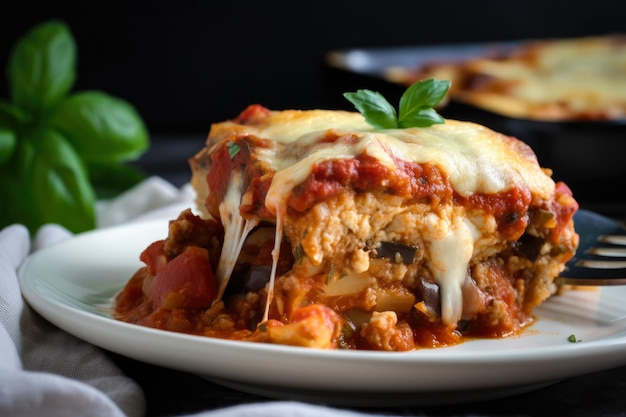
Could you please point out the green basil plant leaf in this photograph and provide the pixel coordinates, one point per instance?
(42, 67)
(58, 183)
(59, 148)
(100, 127)
(7, 144)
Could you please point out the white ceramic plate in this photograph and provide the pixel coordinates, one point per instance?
(72, 284)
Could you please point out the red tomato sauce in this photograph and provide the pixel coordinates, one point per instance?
(237, 156)
(508, 207)
(414, 181)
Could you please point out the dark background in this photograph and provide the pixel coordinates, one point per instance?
(186, 64)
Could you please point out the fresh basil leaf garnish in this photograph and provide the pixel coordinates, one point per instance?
(416, 108)
(375, 108)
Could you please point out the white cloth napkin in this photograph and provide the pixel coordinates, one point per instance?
(45, 371)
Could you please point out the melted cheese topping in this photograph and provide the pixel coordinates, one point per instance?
(476, 159)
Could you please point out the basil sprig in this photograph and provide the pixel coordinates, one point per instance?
(59, 150)
(416, 105)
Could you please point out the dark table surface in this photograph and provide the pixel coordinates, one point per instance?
(170, 392)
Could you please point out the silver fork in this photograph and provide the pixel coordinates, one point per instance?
(601, 255)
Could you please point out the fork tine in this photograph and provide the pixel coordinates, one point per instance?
(594, 274)
(587, 269)
(600, 240)
(593, 281)
(601, 264)
(608, 251)
(614, 239)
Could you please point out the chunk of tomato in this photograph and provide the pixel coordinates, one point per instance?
(187, 281)
(154, 257)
